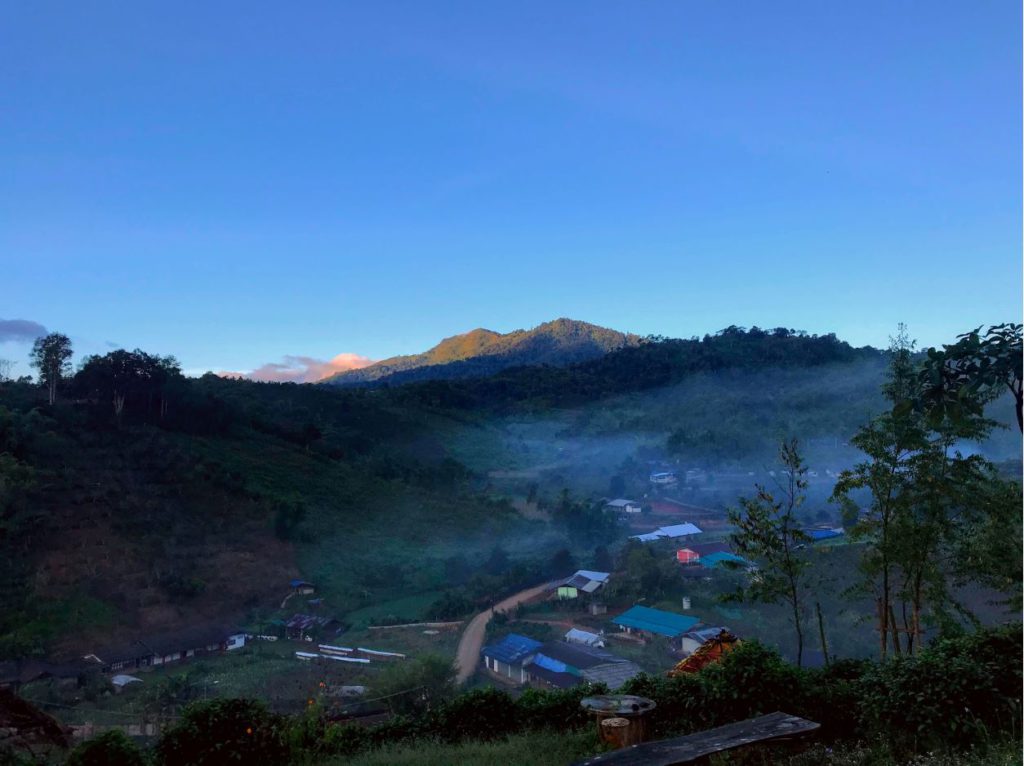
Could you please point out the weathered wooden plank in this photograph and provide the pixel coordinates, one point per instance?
(683, 750)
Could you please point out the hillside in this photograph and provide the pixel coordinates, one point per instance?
(481, 352)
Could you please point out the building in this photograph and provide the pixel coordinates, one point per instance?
(687, 556)
(584, 637)
(646, 623)
(560, 665)
(165, 648)
(703, 549)
(622, 505)
(712, 650)
(583, 582)
(824, 533)
(729, 560)
(663, 478)
(306, 627)
(508, 656)
(696, 638)
(670, 532)
(302, 587)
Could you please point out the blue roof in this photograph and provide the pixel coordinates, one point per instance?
(554, 665)
(712, 560)
(822, 534)
(656, 621)
(511, 649)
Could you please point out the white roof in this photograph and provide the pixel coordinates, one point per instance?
(678, 530)
(122, 680)
(673, 530)
(592, 575)
(622, 502)
(583, 636)
(647, 537)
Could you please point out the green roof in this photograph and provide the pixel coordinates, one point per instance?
(656, 621)
(712, 560)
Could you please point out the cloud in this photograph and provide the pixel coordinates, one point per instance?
(302, 369)
(20, 330)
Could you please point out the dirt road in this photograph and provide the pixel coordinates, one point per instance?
(468, 654)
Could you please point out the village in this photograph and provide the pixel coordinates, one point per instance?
(582, 628)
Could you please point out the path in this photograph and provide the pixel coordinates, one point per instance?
(472, 641)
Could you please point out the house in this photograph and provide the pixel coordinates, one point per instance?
(671, 531)
(561, 665)
(303, 627)
(302, 587)
(716, 560)
(584, 637)
(712, 650)
(646, 622)
(622, 505)
(696, 638)
(595, 608)
(583, 582)
(663, 477)
(508, 656)
(687, 556)
(165, 648)
(703, 549)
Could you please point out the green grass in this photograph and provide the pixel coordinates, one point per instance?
(537, 749)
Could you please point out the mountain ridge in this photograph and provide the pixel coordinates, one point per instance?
(481, 352)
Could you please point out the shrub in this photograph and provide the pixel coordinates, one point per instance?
(224, 731)
(112, 748)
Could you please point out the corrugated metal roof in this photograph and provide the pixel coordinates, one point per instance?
(613, 674)
(542, 660)
(576, 655)
(512, 649)
(656, 621)
(713, 560)
(558, 680)
(582, 637)
(590, 574)
(680, 530)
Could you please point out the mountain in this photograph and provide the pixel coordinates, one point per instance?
(481, 352)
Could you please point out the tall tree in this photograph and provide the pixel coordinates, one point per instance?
(922, 505)
(961, 378)
(767, 532)
(51, 355)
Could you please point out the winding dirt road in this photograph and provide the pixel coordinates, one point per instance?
(472, 640)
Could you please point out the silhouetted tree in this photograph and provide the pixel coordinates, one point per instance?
(51, 355)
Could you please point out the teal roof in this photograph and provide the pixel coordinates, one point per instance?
(656, 621)
(712, 560)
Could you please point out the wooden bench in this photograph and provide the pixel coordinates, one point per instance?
(774, 727)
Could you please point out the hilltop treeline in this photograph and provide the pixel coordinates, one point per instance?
(655, 363)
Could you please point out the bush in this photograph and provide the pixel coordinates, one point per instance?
(110, 749)
(224, 731)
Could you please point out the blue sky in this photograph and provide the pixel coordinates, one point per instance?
(242, 183)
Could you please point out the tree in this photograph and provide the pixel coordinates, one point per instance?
(129, 378)
(6, 365)
(497, 563)
(416, 685)
(562, 563)
(51, 355)
(768, 533)
(602, 561)
(960, 379)
(925, 499)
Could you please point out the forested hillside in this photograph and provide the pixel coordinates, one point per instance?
(142, 499)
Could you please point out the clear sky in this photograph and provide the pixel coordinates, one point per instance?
(236, 183)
